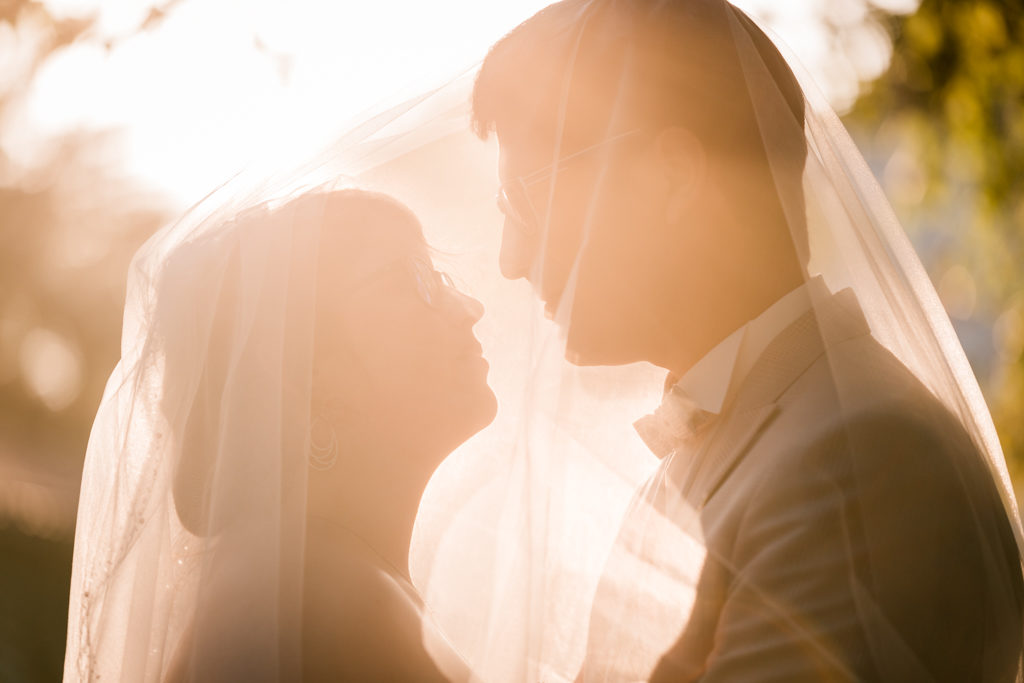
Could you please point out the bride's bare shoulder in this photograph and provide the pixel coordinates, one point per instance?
(340, 572)
(362, 621)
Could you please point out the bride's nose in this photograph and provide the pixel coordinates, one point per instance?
(466, 306)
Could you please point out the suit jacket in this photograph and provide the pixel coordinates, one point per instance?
(849, 529)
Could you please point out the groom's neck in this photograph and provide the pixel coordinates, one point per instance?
(731, 305)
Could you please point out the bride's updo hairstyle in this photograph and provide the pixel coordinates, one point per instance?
(256, 355)
(580, 71)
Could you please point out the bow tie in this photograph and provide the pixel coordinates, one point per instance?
(677, 420)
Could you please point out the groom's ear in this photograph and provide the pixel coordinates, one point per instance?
(683, 163)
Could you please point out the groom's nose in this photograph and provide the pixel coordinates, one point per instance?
(518, 251)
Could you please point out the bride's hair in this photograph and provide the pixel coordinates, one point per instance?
(653, 64)
(230, 344)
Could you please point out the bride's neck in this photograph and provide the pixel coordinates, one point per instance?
(375, 500)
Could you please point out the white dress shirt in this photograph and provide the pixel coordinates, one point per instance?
(722, 370)
(702, 392)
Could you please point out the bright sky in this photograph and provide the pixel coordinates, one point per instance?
(195, 93)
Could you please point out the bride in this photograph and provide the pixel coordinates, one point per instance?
(362, 616)
(274, 363)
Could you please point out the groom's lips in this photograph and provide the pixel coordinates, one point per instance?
(551, 306)
(550, 299)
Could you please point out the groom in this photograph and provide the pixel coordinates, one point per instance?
(852, 530)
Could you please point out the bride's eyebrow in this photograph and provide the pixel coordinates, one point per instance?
(393, 273)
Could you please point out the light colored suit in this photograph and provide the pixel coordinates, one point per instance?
(850, 530)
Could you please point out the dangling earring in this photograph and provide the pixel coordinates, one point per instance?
(323, 455)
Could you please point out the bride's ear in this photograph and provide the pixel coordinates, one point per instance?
(683, 162)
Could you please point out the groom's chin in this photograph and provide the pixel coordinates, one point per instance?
(586, 360)
(598, 341)
(581, 351)
(583, 355)
(578, 358)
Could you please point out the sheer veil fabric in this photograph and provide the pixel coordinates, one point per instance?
(816, 492)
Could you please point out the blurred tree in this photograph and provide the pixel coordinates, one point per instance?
(950, 113)
(68, 227)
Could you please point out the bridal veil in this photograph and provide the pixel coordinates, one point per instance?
(564, 542)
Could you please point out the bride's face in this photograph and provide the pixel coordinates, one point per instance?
(399, 352)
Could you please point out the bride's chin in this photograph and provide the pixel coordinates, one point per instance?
(480, 411)
(480, 401)
(488, 407)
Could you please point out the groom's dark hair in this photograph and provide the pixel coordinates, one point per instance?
(654, 63)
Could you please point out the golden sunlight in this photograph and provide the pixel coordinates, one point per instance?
(209, 78)
(205, 79)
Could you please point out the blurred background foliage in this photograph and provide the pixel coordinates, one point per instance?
(942, 126)
(69, 224)
(947, 121)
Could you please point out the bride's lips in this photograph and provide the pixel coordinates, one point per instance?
(473, 350)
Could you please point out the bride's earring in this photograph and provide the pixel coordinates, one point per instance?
(323, 444)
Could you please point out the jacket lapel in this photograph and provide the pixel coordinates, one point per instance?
(697, 476)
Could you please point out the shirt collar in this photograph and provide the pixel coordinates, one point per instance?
(716, 376)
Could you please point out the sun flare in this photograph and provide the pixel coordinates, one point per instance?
(199, 89)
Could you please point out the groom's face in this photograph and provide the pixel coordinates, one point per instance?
(584, 232)
(543, 227)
